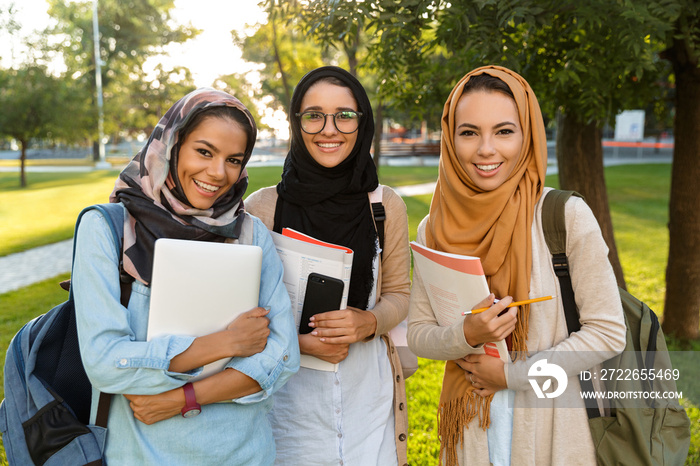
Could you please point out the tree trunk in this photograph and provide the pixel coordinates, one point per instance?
(280, 65)
(351, 52)
(22, 162)
(682, 305)
(580, 160)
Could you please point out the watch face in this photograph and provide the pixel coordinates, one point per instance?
(191, 413)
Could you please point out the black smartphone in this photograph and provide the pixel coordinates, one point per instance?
(323, 294)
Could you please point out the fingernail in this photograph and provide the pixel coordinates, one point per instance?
(267, 308)
(314, 332)
(312, 318)
(322, 339)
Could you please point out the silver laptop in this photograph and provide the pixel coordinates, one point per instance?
(199, 287)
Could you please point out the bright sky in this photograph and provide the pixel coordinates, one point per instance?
(209, 55)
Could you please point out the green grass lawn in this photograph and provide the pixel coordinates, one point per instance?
(638, 199)
(45, 211)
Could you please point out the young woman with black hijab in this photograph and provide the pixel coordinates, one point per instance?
(357, 415)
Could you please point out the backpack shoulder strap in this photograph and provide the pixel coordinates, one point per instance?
(378, 212)
(114, 215)
(554, 229)
(554, 221)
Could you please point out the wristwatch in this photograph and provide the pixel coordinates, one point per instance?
(192, 408)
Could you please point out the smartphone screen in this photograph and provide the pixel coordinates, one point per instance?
(323, 294)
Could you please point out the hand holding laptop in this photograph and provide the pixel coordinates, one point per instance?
(199, 288)
(249, 332)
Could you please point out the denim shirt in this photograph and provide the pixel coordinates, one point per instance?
(119, 360)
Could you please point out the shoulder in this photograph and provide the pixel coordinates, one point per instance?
(578, 216)
(262, 204)
(94, 231)
(420, 231)
(390, 196)
(94, 218)
(261, 197)
(392, 201)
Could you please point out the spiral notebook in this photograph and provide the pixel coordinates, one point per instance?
(199, 287)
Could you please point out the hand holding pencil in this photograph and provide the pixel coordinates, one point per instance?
(494, 324)
(513, 304)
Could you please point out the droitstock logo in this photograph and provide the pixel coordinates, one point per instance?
(541, 369)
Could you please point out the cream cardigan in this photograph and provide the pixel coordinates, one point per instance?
(393, 288)
(557, 434)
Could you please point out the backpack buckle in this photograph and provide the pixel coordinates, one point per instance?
(561, 265)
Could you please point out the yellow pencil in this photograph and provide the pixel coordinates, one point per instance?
(514, 304)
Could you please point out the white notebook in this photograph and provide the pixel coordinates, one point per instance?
(199, 287)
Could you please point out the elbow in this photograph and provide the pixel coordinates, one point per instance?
(619, 340)
(412, 340)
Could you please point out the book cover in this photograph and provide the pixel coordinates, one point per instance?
(301, 255)
(454, 284)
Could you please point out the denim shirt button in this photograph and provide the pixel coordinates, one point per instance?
(123, 362)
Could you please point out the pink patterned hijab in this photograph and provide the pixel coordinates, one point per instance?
(151, 192)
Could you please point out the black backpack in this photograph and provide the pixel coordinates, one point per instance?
(657, 434)
(44, 417)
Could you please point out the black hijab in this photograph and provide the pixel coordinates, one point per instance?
(332, 204)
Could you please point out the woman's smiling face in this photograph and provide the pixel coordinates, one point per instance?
(210, 160)
(328, 147)
(488, 137)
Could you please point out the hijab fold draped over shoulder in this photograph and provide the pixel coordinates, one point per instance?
(156, 203)
(494, 226)
(331, 204)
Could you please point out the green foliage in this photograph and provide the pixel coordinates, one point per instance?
(142, 102)
(29, 102)
(130, 32)
(286, 53)
(7, 20)
(594, 58)
(34, 105)
(238, 86)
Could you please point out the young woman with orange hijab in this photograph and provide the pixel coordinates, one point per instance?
(487, 203)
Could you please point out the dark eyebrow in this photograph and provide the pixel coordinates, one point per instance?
(216, 149)
(208, 144)
(499, 125)
(317, 108)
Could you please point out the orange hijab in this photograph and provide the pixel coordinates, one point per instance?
(492, 225)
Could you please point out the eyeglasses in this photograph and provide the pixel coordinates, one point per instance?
(346, 121)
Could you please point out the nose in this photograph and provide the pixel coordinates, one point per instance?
(216, 168)
(486, 147)
(329, 125)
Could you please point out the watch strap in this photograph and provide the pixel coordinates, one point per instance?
(190, 399)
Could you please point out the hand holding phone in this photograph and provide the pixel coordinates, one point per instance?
(323, 294)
